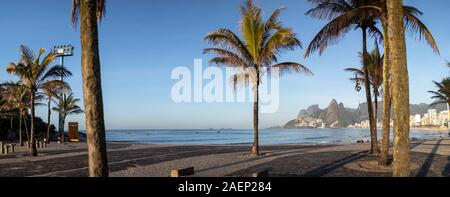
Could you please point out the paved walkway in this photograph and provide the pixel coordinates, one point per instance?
(429, 158)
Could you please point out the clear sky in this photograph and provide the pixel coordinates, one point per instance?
(143, 40)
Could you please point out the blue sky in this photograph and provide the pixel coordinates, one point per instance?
(143, 40)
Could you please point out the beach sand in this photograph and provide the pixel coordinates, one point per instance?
(429, 158)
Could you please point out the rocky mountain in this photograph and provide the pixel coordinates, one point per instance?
(336, 115)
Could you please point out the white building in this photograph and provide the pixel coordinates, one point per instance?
(433, 117)
(426, 120)
(418, 119)
(443, 118)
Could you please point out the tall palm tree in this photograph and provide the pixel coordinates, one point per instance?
(416, 27)
(90, 13)
(52, 91)
(254, 53)
(345, 15)
(400, 88)
(442, 94)
(17, 97)
(333, 9)
(375, 67)
(67, 105)
(34, 74)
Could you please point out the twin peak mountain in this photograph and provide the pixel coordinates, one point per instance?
(334, 116)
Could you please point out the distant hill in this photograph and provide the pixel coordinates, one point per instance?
(338, 116)
(414, 109)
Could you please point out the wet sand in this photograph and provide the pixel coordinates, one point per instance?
(429, 158)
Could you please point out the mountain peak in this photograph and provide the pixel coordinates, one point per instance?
(333, 102)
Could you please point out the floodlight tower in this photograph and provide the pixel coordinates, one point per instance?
(62, 51)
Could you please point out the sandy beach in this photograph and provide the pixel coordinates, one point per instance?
(429, 158)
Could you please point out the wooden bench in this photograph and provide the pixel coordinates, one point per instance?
(262, 173)
(182, 172)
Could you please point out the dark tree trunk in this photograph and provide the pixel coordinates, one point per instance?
(63, 124)
(33, 149)
(48, 119)
(92, 90)
(375, 109)
(255, 147)
(27, 131)
(386, 130)
(400, 88)
(11, 125)
(20, 128)
(373, 130)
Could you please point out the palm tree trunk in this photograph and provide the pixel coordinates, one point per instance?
(33, 150)
(48, 119)
(400, 88)
(26, 129)
(92, 90)
(20, 128)
(448, 115)
(12, 126)
(63, 124)
(373, 129)
(255, 147)
(386, 130)
(375, 109)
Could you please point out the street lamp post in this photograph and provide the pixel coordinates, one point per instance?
(62, 51)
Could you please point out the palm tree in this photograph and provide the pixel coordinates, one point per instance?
(345, 15)
(442, 94)
(17, 97)
(67, 106)
(90, 13)
(375, 67)
(400, 88)
(34, 75)
(52, 91)
(333, 9)
(254, 53)
(415, 26)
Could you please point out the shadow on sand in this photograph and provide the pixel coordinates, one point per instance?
(425, 168)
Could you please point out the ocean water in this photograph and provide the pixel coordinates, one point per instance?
(266, 137)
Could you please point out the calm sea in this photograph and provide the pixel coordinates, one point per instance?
(267, 136)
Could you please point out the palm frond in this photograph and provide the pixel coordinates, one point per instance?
(230, 57)
(332, 32)
(417, 27)
(101, 11)
(252, 28)
(292, 67)
(227, 40)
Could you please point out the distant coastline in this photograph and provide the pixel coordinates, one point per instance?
(434, 129)
(443, 129)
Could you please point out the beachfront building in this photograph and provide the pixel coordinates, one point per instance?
(415, 121)
(433, 116)
(418, 119)
(426, 120)
(412, 121)
(442, 118)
